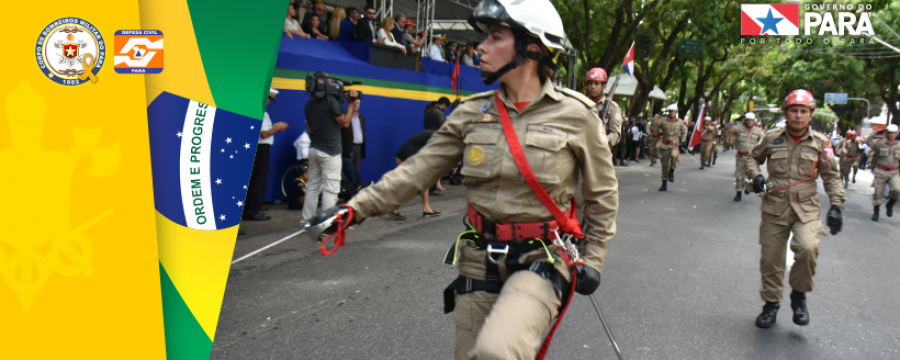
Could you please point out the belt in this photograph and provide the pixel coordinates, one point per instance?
(886, 169)
(258, 145)
(706, 141)
(742, 154)
(657, 136)
(851, 157)
(357, 145)
(668, 143)
(511, 231)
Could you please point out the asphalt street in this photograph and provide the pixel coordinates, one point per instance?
(680, 281)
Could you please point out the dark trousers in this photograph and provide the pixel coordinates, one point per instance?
(356, 157)
(259, 180)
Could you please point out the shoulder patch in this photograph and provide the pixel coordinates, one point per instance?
(577, 95)
(478, 96)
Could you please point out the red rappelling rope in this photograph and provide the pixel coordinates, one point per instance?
(338, 235)
(546, 345)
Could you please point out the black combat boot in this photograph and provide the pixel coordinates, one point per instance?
(652, 161)
(663, 187)
(671, 175)
(737, 197)
(714, 161)
(701, 166)
(875, 216)
(846, 182)
(854, 178)
(767, 318)
(890, 208)
(798, 304)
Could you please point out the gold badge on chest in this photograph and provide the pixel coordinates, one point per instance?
(476, 155)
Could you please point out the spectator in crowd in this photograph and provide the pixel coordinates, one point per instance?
(353, 139)
(397, 31)
(259, 175)
(348, 26)
(436, 52)
(452, 53)
(292, 26)
(470, 58)
(434, 113)
(325, 118)
(406, 151)
(334, 25)
(365, 27)
(302, 146)
(312, 28)
(296, 192)
(386, 37)
(620, 150)
(411, 43)
(319, 10)
(635, 136)
(865, 157)
(642, 125)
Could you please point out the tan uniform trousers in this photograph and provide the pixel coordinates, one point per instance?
(668, 159)
(847, 164)
(706, 151)
(654, 150)
(882, 178)
(805, 244)
(508, 325)
(740, 175)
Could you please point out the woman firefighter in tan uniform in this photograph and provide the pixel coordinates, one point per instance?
(512, 281)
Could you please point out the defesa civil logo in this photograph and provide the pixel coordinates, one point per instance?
(70, 51)
(138, 52)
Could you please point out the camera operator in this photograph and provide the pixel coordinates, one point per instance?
(325, 120)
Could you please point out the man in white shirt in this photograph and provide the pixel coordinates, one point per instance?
(259, 176)
(435, 52)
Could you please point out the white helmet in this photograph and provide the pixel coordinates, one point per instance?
(750, 116)
(708, 118)
(892, 128)
(537, 18)
(673, 107)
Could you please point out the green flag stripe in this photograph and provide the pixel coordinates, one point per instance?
(185, 338)
(298, 74)
(237, 40)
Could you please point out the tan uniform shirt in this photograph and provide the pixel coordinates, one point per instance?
(655, 127)
(613, 121)
(670, 131)
(789, 163)
(745, 139)
(710, 133)
(886, 155)
(560, 134)
(850, 148)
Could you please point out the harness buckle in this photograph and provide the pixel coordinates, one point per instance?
(503, 252)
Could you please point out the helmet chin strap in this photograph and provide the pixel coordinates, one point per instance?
(490, 77)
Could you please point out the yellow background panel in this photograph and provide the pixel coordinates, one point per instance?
(107, 305)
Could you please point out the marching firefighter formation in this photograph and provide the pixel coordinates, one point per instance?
(530, 146)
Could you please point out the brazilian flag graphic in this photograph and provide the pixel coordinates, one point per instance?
(204, 113)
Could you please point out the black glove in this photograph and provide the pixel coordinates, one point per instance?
(835, 219)
(322, 224)
(588, 280)
(881, 132)
(759, 184)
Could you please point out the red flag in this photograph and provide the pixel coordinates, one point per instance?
(698, 128)
(455, 76)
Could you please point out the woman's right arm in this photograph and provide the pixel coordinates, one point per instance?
(418, 173)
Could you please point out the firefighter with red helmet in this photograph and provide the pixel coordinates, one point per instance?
(796, 156)
(886, 156)
(524, 147)
(595, 83)
(850, 149)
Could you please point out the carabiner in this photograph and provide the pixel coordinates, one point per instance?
(503, 252)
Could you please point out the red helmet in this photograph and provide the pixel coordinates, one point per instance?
(758, 124)
(851, 132)
(714, 123)
(596, 74)
(800, 97)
